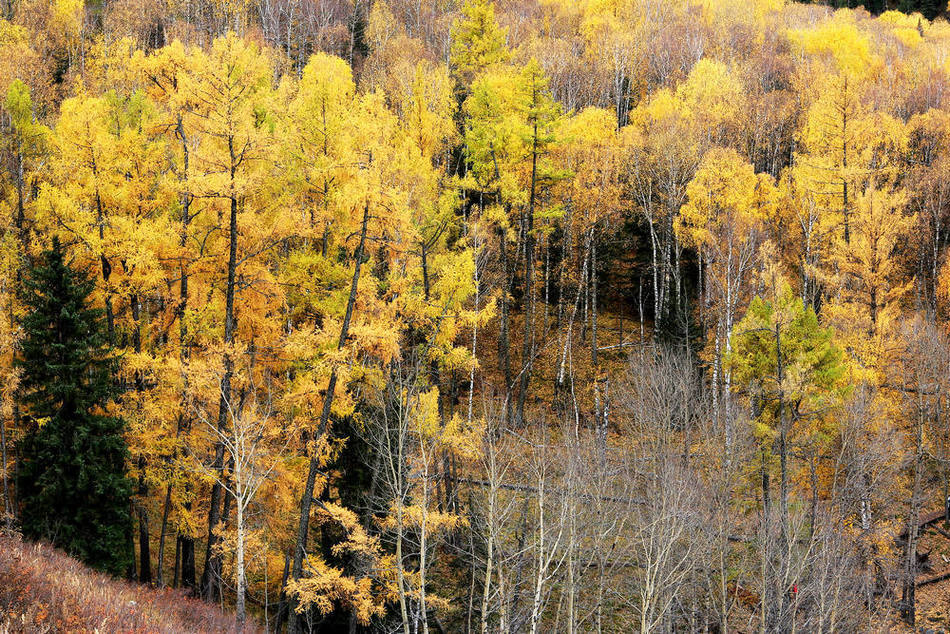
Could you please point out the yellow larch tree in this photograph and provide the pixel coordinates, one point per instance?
(872, 280)
(725, 218)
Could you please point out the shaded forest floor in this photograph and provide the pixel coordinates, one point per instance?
(44, 590)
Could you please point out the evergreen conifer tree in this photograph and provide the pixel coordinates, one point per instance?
(72, 485)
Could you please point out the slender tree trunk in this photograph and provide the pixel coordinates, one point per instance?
(282, 605)
(783, 476)
(425, 269)
(527, 348)
(471, 371)
(185, 543)
(188, 561)
(561, 316)
(568, 337)
(19, 223)
(104, 262)
(306, 499)
(145, 559)
(240, 611)
(7, 502)
(541, 567)
(572, 547)
(166, 510)
(490, 542)
(655, 270)
(844, 168)
(908, 594)
(131, 573)
(599, 408)
(423, 545)
(504, 620)
(177, 569)
(7, 506)
(210, 578)
(504, 352)
(400, 576)
(768, 574)
(20, 220)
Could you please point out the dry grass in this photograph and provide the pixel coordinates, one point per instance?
(44, 590)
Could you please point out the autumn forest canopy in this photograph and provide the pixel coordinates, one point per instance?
(462, 315)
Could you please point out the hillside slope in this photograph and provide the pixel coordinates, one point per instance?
(44, 590)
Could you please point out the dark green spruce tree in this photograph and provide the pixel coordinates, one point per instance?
(73, 489)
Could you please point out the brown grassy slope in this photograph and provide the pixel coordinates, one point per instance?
(44, 590)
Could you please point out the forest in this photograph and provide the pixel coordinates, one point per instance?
(483, 316)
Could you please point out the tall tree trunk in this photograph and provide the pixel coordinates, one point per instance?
(188, 560)
(562, 373)
(909, 585)
(784, 536)
(163, 533)
(20, 219)
(240, 611)
(185, 542)
(490, 537)
(527, 347)
(423, 545)
(177, 569)
(504, 352)
(471, 371)
(282, 605)
(210, 577)
(7, 504)
(768, 574)
(599, 382)
(561, 316)
(20, 224)
(306, 499)
(145, 559)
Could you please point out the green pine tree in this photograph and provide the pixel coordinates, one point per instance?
(72, 485)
